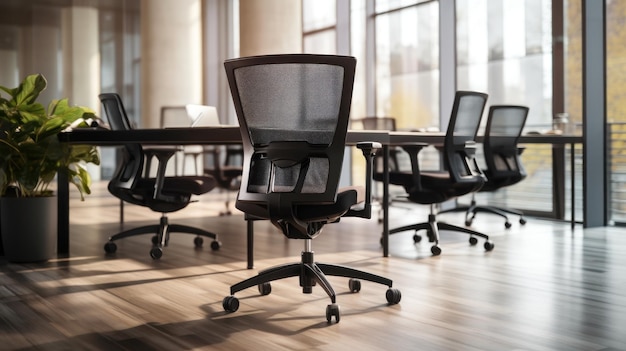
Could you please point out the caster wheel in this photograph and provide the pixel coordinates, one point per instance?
(265, 288)
(507, 224)
(198, 241)
(417, 238)
(435, 250)
(215, 245)
(473, 241)
(354, 285)
(522, 221)
(393, 296)
(489, 246)
(332, 310)
(155, 240)
(468, 222)
(156, 253)
(110, 247)
(230, 303)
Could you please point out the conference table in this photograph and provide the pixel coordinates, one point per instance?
(224, 135)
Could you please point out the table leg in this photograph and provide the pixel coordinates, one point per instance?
(250, 239)
(573, 183)
(63, 216)
(385, 203)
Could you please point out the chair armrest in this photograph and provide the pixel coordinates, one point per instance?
(413, 149)
(163, 156)
(470, 148)
(369, 149)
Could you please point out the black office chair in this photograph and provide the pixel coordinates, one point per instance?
(461, 174)
(293, 113)
(502, 157)
(160, 194)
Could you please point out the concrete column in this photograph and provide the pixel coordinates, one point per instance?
(270, 27)
(81, 61)
(171, 61)
(9, 76)
(36, 45)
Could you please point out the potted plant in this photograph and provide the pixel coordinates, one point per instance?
(31, 156)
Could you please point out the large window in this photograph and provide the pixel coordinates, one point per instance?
(504, 49)
(120, 51)
(407, 62)
(319, 18)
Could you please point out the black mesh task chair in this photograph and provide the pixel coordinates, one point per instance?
(502, 158)
(160, 194)
(293, 113)
(461, 174)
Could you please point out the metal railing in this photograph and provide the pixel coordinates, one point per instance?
(616, 151)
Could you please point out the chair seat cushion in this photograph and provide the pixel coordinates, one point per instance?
(196, 185)
(346, 198)
(177, 192)
(231, 171)
(435, 186)
(494, 183)
(395, 178)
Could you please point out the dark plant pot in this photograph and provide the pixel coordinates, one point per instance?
(29, 228)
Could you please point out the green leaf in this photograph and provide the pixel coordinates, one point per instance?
(29, 89)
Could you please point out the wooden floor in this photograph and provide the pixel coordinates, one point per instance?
(543, 287)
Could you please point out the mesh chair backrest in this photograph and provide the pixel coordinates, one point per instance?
(115, 112)
(131, 164)
(504, 127)
(465, 119)
(293, 112)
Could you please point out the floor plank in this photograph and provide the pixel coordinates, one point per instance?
(543, 287)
